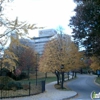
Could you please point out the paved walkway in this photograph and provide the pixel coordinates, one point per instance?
(50, 94)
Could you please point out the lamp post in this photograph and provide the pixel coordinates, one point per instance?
(36, 67)
(36, 74)
(1, 72)
(62, 72)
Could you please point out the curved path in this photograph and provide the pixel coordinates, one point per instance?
(83, 85)
(50, 94)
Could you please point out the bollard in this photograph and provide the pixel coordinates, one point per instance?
(43, 85)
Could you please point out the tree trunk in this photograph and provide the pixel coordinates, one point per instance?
(28, 72)
(72, 74)
(58, 76)
(75, 73)
(62, 81)
(63, 77)
(68, 75)
(46, 75)
(81, 71)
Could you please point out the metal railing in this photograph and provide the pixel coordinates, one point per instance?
(24, 89)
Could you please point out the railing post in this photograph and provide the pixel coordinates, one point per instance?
(1, 94)
(43, 85)
(29, 88)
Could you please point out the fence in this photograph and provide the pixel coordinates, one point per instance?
(20, 89)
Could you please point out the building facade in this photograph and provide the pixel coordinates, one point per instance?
(44, 36)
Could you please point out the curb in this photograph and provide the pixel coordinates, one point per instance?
(71, 96)
(96, 82)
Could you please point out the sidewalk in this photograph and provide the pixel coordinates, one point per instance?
(50, 94)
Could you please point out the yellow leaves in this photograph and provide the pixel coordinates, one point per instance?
(9, 64)
(10, 59)
(95, 63)
(56, 54)
(15, 43)
(10, 55)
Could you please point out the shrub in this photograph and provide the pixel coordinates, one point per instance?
(14, 85)
(1, 86)
(5, 79)
(18, 85)
(4, 72)
(23, 75)
(11, 75)
(25, 86)
(17, 72)
(8, 83)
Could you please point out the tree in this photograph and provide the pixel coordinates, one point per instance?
(86, 25)
(18, 58)
(12, 27)
(60, 52)
(9, 60)
(17, 48)
(95, 63)
(28, 60)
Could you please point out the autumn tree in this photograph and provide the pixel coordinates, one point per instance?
(20, 29)
(86, 25)
(9, 60)
(95, 63)
(60, 51)
(28, 60)
(11, 27)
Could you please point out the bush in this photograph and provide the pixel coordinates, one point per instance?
(1, 86)
(25, 86)
(23, 75)
(11, 85)
(19, 77)
(8, 83)
(14, 85)
(19, 85)
(4, 72)
(5, 79)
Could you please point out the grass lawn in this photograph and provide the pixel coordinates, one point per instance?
(40, 76)
(65, 88)
(48, 79)
(97, 80)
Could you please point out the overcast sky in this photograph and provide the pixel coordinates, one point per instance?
(48, 13)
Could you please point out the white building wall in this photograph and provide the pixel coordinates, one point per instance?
(44, 37)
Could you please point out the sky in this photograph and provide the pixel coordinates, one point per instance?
(44, 13)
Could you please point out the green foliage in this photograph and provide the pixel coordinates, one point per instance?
(8, 83)
(97, 80)
(86, 25)
(5, 79)
(1, 86)
(3, 72)
(14, 85)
